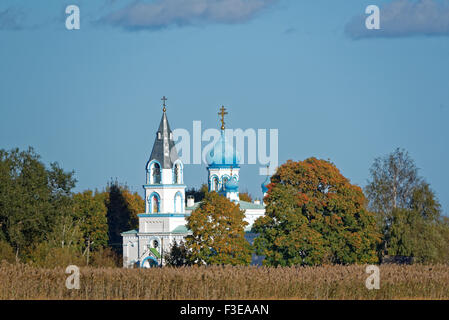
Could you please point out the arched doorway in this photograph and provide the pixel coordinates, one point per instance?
(149, 262)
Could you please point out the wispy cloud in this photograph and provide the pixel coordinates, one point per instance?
(11, 19)
(290, 30)
(159, 14)
(405, 18)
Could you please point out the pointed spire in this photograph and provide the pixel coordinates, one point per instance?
(164, 150)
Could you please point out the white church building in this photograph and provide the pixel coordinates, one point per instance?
(166, 207)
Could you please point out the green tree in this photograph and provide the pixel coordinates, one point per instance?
(218, 235)
(178, 255)
(32, 197)
(314, 215)
(198, 194)
(6, 252)
(407, 210)
(122, 209)
(91, 210)
(394, 178)
(63, 245)
(419, 231)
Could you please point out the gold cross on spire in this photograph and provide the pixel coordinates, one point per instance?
(222, 113)
(163, 103)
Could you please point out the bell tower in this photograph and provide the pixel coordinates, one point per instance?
(164, 186)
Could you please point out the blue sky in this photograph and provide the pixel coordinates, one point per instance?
(90, 98)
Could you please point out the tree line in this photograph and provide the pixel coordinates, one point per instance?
(45, 223)
(314, 216)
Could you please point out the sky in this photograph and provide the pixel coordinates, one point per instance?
(90, 98)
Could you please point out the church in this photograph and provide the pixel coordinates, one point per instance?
(166, 206)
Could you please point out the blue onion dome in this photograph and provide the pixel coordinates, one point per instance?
(265, 184)
(232, 185)
(223, 154)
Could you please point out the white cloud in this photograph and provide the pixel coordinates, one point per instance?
(405, 18)
(164, 13)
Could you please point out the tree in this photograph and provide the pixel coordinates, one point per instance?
(218, 235)
(122, 209)
(198, 194)
(419, 231)
(6, 252)
(245, 196)
(91, 210)
(178, 255)
(407, 210)
(32, 197)
(314, 215)
(62, 246)
(393, 180)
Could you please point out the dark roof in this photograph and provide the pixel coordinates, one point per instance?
(164, 150)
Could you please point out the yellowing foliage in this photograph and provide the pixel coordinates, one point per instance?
(314, 215)
(218, 235)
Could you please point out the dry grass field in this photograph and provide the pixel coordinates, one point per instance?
(328, 282)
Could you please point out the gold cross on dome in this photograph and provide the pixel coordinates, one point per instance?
(163, 103)
(222, 113)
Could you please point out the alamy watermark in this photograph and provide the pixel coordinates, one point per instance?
(72, 21)
(72, 281)
(373, 281)
(372, 22)
(262, 145)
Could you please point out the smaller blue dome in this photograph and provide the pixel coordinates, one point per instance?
(265, 184)
(232, 185)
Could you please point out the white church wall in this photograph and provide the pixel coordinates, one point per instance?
(149, 224)
(167, 198)
(251, 215)
(130, 250)
(167, 176)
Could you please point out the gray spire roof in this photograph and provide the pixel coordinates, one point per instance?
(164, 150)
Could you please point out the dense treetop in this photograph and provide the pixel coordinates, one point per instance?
(314, 215)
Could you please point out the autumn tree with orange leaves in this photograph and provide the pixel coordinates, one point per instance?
(315, 216)
(218, 233)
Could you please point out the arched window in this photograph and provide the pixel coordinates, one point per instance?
(225, 180)
(178, 203)
(177, 172)
(155, 204)
(215, 184)
(156, 173)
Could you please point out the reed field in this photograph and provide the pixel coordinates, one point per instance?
(20, 281)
